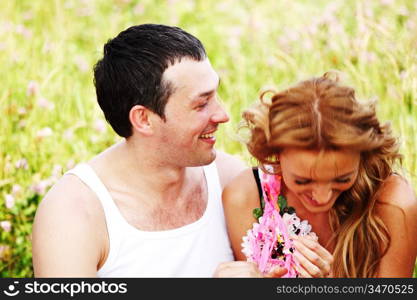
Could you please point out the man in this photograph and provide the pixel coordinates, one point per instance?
(151, 204)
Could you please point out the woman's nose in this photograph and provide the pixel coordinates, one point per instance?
(322, 194)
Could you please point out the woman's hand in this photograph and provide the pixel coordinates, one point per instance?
(313, 259)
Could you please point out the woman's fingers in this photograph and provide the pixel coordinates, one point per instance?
(308, 266)
(315, 246)
(302, 272)
(312, 257)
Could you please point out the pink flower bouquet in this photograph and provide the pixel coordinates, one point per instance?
(269, 242)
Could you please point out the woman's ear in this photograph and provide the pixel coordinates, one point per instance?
(140, 118)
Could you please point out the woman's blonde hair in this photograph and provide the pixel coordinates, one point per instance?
(321, 114)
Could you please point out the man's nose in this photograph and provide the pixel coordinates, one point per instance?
(220, 115)
(322, 193)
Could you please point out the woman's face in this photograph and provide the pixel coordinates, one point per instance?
(317, 179)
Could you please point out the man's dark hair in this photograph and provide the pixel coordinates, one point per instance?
(130, 72)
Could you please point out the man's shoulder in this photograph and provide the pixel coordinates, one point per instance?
(228, 166)
(69, 231)
(70, 199)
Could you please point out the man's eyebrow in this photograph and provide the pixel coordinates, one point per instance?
(339, 176)
(208, 93)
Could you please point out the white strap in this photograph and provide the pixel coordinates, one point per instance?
(87, 175)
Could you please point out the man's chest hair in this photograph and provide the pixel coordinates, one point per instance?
(169, 215)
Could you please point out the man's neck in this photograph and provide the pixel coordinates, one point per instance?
(140, 169)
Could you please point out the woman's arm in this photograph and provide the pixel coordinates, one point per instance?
(397, 207)
(240, 197)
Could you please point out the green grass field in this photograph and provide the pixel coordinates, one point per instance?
(50, 120)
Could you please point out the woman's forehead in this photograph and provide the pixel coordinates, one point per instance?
(316, 163)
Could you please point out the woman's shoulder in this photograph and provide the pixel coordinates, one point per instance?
(397, 190)
(242, 190)
(397, 203)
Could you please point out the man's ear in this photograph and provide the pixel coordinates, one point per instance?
(140, 118)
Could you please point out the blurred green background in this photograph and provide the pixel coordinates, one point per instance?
(50, 120)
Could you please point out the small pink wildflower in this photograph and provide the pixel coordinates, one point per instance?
(41, 187)
(100, 126)
(16, 189)
(22, 164)
(22, 111)
(32, 89)
(3, 250)
(82, 64)
(6, 225)
(45, 103)
(139, 9)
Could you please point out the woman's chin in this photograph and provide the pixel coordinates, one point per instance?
(312, 205)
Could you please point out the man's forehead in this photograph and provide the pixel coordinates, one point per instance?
(187, 69)
(196, 76)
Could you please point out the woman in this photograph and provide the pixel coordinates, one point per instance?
(337, 164)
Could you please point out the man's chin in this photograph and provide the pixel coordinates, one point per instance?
(205, 160)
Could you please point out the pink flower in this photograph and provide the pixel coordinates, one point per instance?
(68, 134)
(9, 199)
(57, 171)
(16, 189)
(22, 111)
(22, 164)
(44, 103)
(3, 249)
(139, 9)
(22, 124)
(81, 64)
(21, 29)
(70, 164)
(41, 187)
(269, 242)
(33, 88)
(100, 126)
(6, 226)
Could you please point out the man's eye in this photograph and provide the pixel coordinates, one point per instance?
(302, 182)
(343, 180)
(202, 105)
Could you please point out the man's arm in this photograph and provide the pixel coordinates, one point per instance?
(68, 231)
(228, 166)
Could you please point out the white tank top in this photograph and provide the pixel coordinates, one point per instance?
(194, 250)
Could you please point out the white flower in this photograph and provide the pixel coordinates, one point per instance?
(44, 132)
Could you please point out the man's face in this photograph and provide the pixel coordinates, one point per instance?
(193, 113)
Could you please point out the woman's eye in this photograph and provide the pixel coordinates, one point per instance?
(302, 182)
(343, 180)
